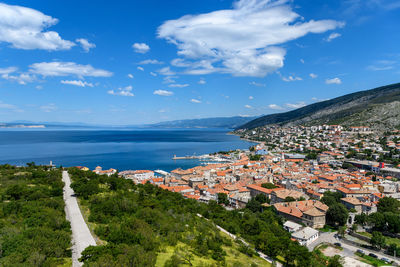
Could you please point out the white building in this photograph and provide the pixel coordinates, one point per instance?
(306, 236)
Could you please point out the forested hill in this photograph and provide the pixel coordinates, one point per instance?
(221, 122)
(378, 108)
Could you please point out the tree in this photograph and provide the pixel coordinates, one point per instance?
(337, 215)
(361, 218)
(335, 261)
(388, 204)
(254, 205)
(223, 198)
(269, 185)
(331, 198)
(289, 199)
(341, 231)
(261, 198)
(378, 240)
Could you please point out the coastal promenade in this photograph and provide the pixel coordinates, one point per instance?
(81, 236)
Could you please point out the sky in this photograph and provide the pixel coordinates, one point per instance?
(139, 62)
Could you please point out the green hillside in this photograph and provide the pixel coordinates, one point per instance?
(378, 108)
(145, 225)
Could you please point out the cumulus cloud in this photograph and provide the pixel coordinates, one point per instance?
(275, 107)
(333, 81)
(242, 41)
(251, 97)
(202, 81)
(26, 28)
(332, 36)
(140, 68)
(257, 84)
(166, 71)
(248, 106)
(122, 91)
(177, 85)
(21, 78)
(313, 75)
(130, 75)
(66, 69)
(77, 83)
(85, 44)
(49, 107)
(296, 105)
(153, 74)
(151, 61)
(291, 78)
(163, 93)
(141, 48)
(195, 101)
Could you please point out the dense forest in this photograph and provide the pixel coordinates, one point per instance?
(33, 228)
(144, 225)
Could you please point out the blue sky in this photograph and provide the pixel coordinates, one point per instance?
(135, 62)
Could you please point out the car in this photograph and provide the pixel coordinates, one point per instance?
(360, 251)
(372, 255)
(386, 260)
(337, 244)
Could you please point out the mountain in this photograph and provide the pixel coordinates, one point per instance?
(221, 122)
(378, 108)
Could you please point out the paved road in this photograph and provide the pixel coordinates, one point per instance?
(81, 236)
(348, 249)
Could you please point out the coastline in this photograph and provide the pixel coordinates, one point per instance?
(245, 139)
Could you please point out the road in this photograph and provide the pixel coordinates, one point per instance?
(81, 236)
(348, 249)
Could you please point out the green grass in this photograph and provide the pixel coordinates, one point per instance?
(327, 229)
(233, 257)
(370, 260)
(389, 240)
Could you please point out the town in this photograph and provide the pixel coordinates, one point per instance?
(318, 178)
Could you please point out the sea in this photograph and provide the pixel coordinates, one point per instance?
(127, 149)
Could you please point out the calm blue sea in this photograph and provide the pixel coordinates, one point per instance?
(119, 149)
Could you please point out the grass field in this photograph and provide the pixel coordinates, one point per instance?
(233, 257)
(389, 240)
(370, 260)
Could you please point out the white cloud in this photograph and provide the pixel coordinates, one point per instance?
(151, 61)
(166, 71)
(296, 105)
(257, 84)
(313, 75)
(140, 68)
(332, 36)
(169, 79)
(10, 107)
(177, 85)
(251, 97)
(163, 93)
(302, 60)
(49, 108)
(141, 48)
(22, 78)
(291, 78)
(85, 44)
(333, 81)
(25, 28)
(153, 74)
(241, 41)
(380, 65)
(130, 75)
(67, 69)
(275, 107)
(202, 81)
(195, 101)
(122, 91)
(248, 106)
(77, 83)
